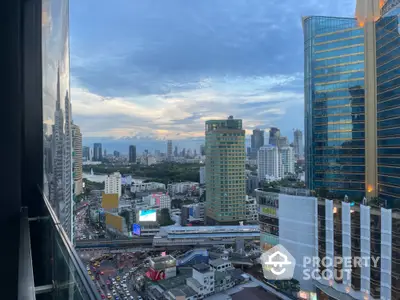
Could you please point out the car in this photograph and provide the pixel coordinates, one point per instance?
(128, 294)
(101, 272)
(139, 297)
(103, 296)
(116, 298)
(109, 296)
(92, 277)
(132, 298)
(90, 272)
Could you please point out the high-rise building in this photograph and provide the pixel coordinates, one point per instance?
(257, 141)
(86, 153)
(298, 143)
(97, 152)
(352, 140)
(116, 153)
(176, 151)
(335, 130)
(132, 154)
(225, 171)
(274, 134)
(113, 184)
(269, 163)
(77, 159)
(169, 149)
(288, 161)
(202, 174)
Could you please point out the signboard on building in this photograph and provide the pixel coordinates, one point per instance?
(269, 211)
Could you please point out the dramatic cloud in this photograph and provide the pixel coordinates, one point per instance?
(160, 68)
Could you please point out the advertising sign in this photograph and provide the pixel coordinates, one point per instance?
(270, 211)
(136, 229)
(148, 215)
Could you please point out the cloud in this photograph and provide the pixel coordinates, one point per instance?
(161, 68)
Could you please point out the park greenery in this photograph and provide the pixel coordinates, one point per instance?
(165, 172)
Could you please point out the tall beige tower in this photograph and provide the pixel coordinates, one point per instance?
(225, 172)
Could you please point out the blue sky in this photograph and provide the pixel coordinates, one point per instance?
(157, 69)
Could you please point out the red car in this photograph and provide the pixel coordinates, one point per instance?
(103, 296)
(102, 273)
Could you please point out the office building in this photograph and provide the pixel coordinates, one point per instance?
(274, 134)
(116, 153)
(86, 153)
(77, 159)
(298, 143)
(97, 152)
(202, 150)
(132, 154)
(176, 151)
(353, 153)
(169, 150)
(113, 184)
(257, 140)
(335, 143)
(225, 176)
(269, 163)
(288, 161)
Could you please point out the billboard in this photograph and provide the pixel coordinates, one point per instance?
(191, 212)
(148, 215)
(136, 229)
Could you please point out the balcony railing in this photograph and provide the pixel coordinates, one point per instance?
(59, 271)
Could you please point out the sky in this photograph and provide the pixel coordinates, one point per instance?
(154, 70)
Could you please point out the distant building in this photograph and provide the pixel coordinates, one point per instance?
(97, 152)
(132, 154)
(298, 143)
(160, 200)
(169, 150)
(274, 134)
(147, 186)
(226, 184)
(269, 162)
(251, 209)
(288, 160)
(116, 153)
(113, 184)
(182, 187)
(257, 141)
(202, 150)
(192, 213)
(202, 172)
(77, 159)
(86, 153)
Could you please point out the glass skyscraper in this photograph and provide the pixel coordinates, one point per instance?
(352, 103)
(334, 105)
(388, 103)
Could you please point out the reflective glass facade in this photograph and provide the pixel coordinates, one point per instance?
(57, 138)
(334, 105)
(388, 108)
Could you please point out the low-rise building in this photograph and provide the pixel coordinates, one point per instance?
(159, 199)
(192, 212)
(220, 264)
(182, 187)
(147, 186)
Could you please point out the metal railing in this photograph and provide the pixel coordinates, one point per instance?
(26, 284)
(70, 278)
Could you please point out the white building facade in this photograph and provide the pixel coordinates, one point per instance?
(113, 184)
(269, 162)
(288, 160)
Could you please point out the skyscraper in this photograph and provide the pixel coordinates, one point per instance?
(77, 158)
(169, 149)
(225, 175)
(86, 153)
(202, 150)
(335, 112)
(298, 143)
(274, 134)
(97, 152)
(257, 141)
(176, 151)
(132, 154)
(269, 163)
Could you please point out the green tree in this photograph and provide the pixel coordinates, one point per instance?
(164, 219)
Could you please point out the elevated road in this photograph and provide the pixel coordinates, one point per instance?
(117, 243)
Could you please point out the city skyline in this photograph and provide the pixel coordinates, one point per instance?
(260, 82)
